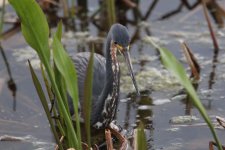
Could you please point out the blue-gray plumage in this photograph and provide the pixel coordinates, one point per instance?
(106, 76)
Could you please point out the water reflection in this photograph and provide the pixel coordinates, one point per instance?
(211, 81)
(143, 107)
(144, 110)
(10, 82)
(188, 100)
(212, 75)
(145, 116)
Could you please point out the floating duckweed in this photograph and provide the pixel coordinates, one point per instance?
(183, 119)
(144, 107)
(179, 97)
(173, 129)
(145, 58)
(161, 101)
(144, 24)
(151, 78)
(157, 40)
(81, 38)
(23, 54)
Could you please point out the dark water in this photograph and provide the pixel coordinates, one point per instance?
(156, 106)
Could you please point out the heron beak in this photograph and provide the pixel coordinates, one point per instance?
(126, 55)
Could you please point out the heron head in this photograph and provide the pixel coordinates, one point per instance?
(120, 35)
(121, 43)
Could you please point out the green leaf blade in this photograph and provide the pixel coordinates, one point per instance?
(44, 102)
(34, 25)
(88, 97)
(35, 30)
(59, 31)
(67, 70)
(171, 63)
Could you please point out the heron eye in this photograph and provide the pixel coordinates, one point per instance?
(115, 43)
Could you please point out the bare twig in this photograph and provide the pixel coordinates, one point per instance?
(121, 138)
(10, 138)
(61, 139)
(211, 144)
(95, 147)
(43, 2)
(108, 139)
(130, 4)
(190, 13)
(150, 9)
(216, 12)
(65, 8)
(195, 68)
(85, 146)
(10, 32)
(215, 43)
(221, 121)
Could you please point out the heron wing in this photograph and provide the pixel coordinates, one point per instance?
(81, 62)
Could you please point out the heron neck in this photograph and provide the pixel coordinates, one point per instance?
(109, 72)
(112, 101)
(108, 76)
(111, 86)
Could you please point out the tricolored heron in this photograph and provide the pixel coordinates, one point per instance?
(106, 76)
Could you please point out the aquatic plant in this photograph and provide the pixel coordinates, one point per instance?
(171, 63)
(36, 32)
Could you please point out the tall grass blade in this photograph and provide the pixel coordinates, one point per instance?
(34, 26)
(58, 76)
(47, 85)
(111, 12)
(53, 100)
(67, 69)
(171, 63)
(88, 97)
(44, 103)
(59, 31)
(62, 87)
